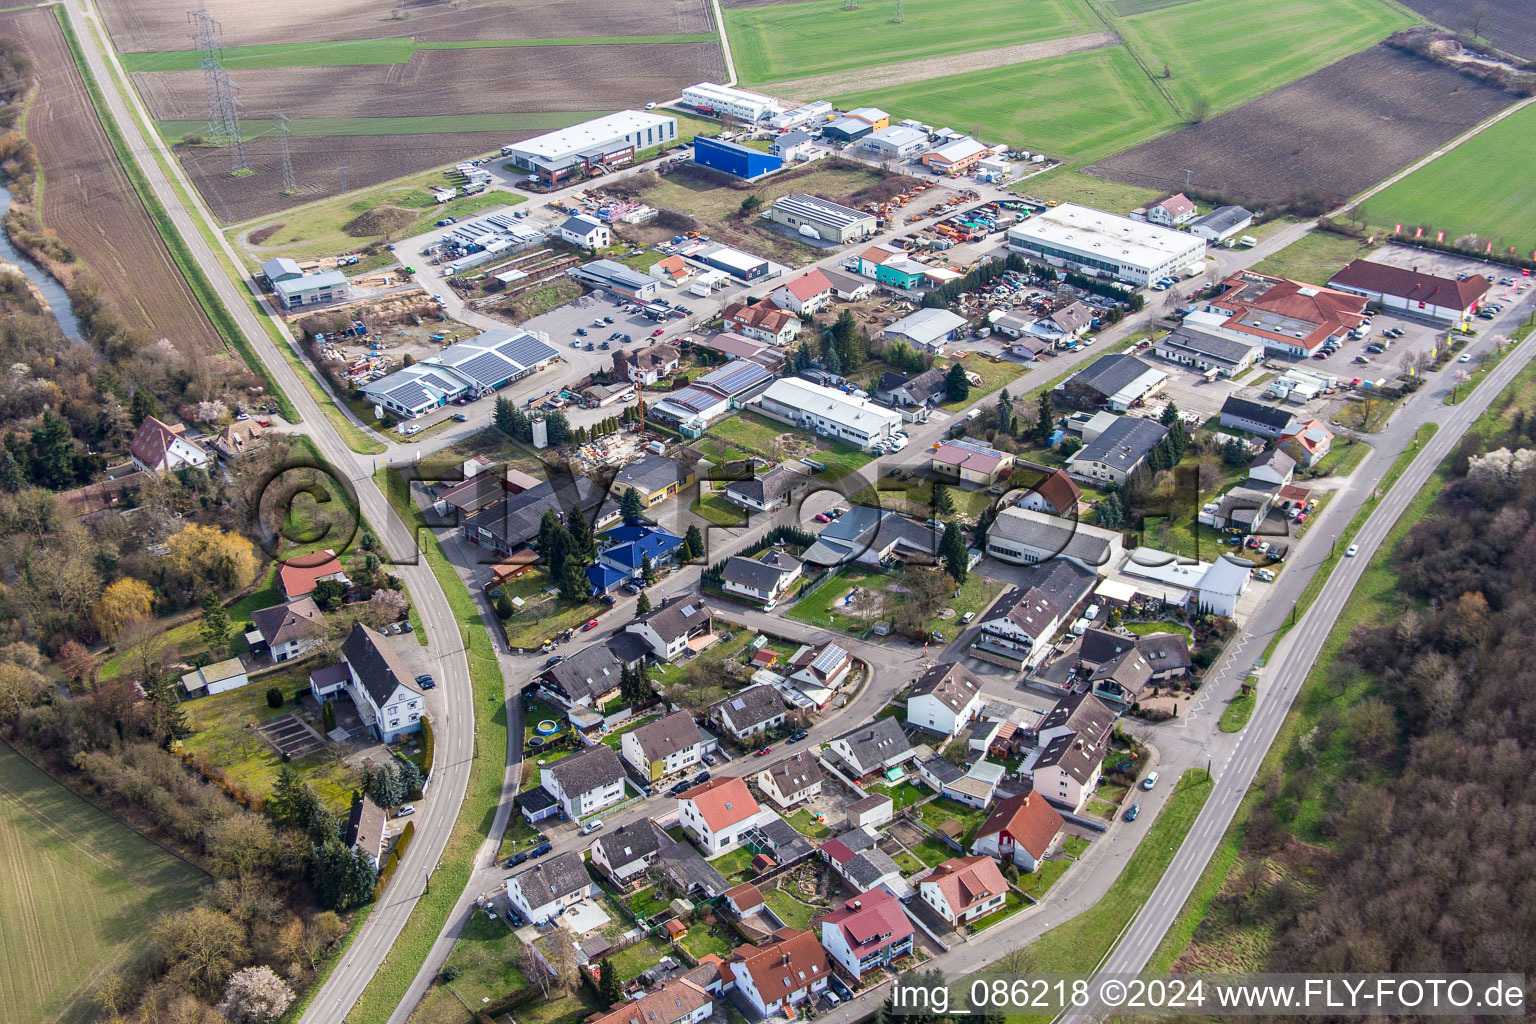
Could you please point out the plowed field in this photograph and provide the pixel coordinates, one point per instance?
(1508, 24)
(91, 203)
(1337, 131)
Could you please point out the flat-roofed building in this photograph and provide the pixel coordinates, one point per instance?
(829, 221)
(312, 289)
(602, 142)
(709, 98)
(896, 142)
(828, 412)
(1131, 251)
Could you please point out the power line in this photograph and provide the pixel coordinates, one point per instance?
(900, 17)
(283, 131)
(210, 51)
(234, 140)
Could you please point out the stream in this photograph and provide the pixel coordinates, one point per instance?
(53, 292)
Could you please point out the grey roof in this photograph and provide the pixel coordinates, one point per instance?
(590, 769)
(516, 520)
(376, 664)
(296, 620)
(1078, 751)
(877, 742)
(1101, 645)
(689, 869)
(824, 211)
(1045, 532)
(1222, 350)
(792, 138)
(954, 686)
(610, 271)
(579, 225)
(927, 325)
(553, 878)
(785, 841)
(651, 474)
(588, 673)
(1030, 609)
(1224, 577)
(842, 282)
(675, 618)
(860, 838)
(865, 868)
(1062, 582)
(862, 528)
(1276, 459)
(941, 769)
(767, 488)
(1165, 652)
(1223, 218)
(752, 706)
(796, 773)
(536, 799)
(1112, 373)
(627, 648)
(280, 266)
(1073, 317)
(1269, 415)
(1128, 669)
(668, 735)
(629, 842)
(1246, 505)
(1122, 447)
(751, 572)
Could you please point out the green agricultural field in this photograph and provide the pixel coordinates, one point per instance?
(421, 124)
(80, 889)
(1068, 186)
(1483, 187)
(780, 41)
(1081, 106)
(1226, 52)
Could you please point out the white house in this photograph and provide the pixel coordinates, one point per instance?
(718, 813)
(786, 972)
(874, 747)
(872, 811)
(964, 888)
(926, 329)
(804, 295)
(290, 630)
(365, 830)
(1273, 468)
(760, 579)
(1021, 624)
(944, 699)
(820, 668)
(587, 232)
(1073, 740)
(1223, 583)
(671, 744)
(216, 678)
(828, 412)
(867, 932)
(542, 890)
(1171, 212)
(158, 447)
(669, 629)
(750, 712)
(379, 684)
(627, 850)
(1021, 828)
(586, 782)
(792, 780)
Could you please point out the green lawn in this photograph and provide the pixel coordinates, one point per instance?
(1147, 628)
(915, 497)
(1081, 106)
(1237, 712)
(187, 637)
(540, 620)
(639, 958)
(937, 812)
(1482, 187)
(1012, 904)
(1101, 809)
(909, 864)
(994, 377)
(717, 510)
(646, 902)
(808, 826)
(933, 853)
(1226, 52)
(976, 593)
(736, 866)
(487, 954)
(817, 607)
(905, 795)
(1314, 257)
(1068, 186)
(1341, 459)
(752, 433)
(79, 888)
(701, 943)
(418, 124)
(790, 910)
(779, 41)
(1076, 846)
(1039, 883)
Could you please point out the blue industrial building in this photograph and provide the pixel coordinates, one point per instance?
(740, 161)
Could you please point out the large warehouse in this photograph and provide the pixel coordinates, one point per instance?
(477, 366)
(828, 412)
(896, 142)
(829, 221)
(616, 277)
(604, 141)
(1131, 251)
(709, 98)
(728, 157)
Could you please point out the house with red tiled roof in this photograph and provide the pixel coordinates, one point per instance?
(1171, 212)
(782, 973)
(1056, 494)
(805, 294)
(673, 269)
(1288, 318)
(964, 889)
(744, 898)
(764, 321)
(158, 447)
(867, 932)
(717, 814)
(300, 575)
(970, 462)
(1409, 290)
(1023, 828)
(1308, 442)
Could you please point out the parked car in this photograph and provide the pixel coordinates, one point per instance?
(680, 788)
(540, 850)
(581, 332)
(1133, 812)
(1149, 781)
(516, 859)
(591, 826)
(709, 759)
(797, 737)
(591, 624)
(405, 809)
(459, 417)
(658, 332)
(1465, 357)
(762, 752)
(552, 662)
(822, 517)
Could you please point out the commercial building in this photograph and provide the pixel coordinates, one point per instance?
(872, 116)
(927, 330)
(1117, 452)
(847, 129)
(889, 265)
(476, 366)
(793, 146)
(1288, 318)
(896, 142)
(616, 277)
(1205, 352)
(1116, 382)
(1438, 298)
(733, 159)
(821, 218)
(312, 289)
(828, 412)
(712, 396)
(956, 156)
(1256, 418)
(1077, 237)
(968, 462)
(800, 115)
(607, 141)
(740, 265)
(1221, 223)
(709, 98)
(1026, 537)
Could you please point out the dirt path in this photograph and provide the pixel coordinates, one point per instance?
(817, 86)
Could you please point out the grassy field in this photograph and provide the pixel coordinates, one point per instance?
(1068, 186)
(976, 593)
(780, 41)
(753, 433)
(1080, 107)
(79, 888)
(936, 812)
(1314, 257)
(994, 377)
(1237, 712)
(1482, 187)
(816, 607)
(1225, 52)
(790, 910)
(419, 124)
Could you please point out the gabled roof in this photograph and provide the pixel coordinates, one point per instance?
(667, 735)
(1080, 747)
(1269, 415)
(155, 437)
(870, 921)
(588, 673)
(821, 662)
(1072, 318)
(1165, 652)
(756, 573)
(365, 826)
(629, 842)
(296, 620)
(651, 473)
(1059, 492)
(1127, 441)
(1275, 459)
(1412, 285)
(977, 458)
(767, 488)
(593, 768)
(809, 285)
(1029, 609)
(967, 881)
(763, 316)
(792, 962)
(1129, 670)
(722, 802)
(300, 574)
(954, 686)
(376, 664)
(1111, 374)
(675, 618)
(867, 868)
(793, 774)
(553, 878)
(1028, 818)
(877, 742)
(927, 325)
(1101, 645)
(750, 707)
(674, 1001)
(1177, 205)
(745, 896)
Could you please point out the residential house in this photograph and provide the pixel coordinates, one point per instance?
(630, 545)
(1203, 351)
(158, 447)
(927, 329)
(762, 579)
(793, 146)
(290, 630)
(729, 346)
(745, 899)
(512, 523)
(774, 489)
(627, 850)
(784, 973)
(300, 574)
(1118, 452)
(671, 744)
(1308, 442)
(872, 869)
(1256, 418)
(1021, 828)
(646, 365)
(239, 439)
(1122, 678)
(873, 537)
(848, 287)
(382, 688)
(1064, 325)
(763, 320)
(678, 1001)
(841, 849)
(1073, 740)
(679, 622)
(1117, 382)
(872, 811)
(964, 889)
(543, 889)
(1167, 655)
(869, 931)
(1170, 212)
(1221, 223)
(979, 784)
(792, 780)
(936, 771)
(672, 269)
(1024, 537)
(820, 668)
(809, 293)
(874, 747)
(1056, 494)
(206, 680)
(968, 462)
(749, 713)
(1020, 625)
(585, 782)
(1411, 291)
(654, 477)
(1273, 468)
(365, 830)
(589, 678)
(944, 699)
(587, 232)
(718, 813)
(922, 391)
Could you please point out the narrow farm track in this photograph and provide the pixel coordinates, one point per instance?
(815, 86)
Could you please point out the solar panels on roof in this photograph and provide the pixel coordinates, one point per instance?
(526, 350)
(829, 658)
(487, 369)
(738, 704)
(408, 394)
(694, 398)
(736, 376)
